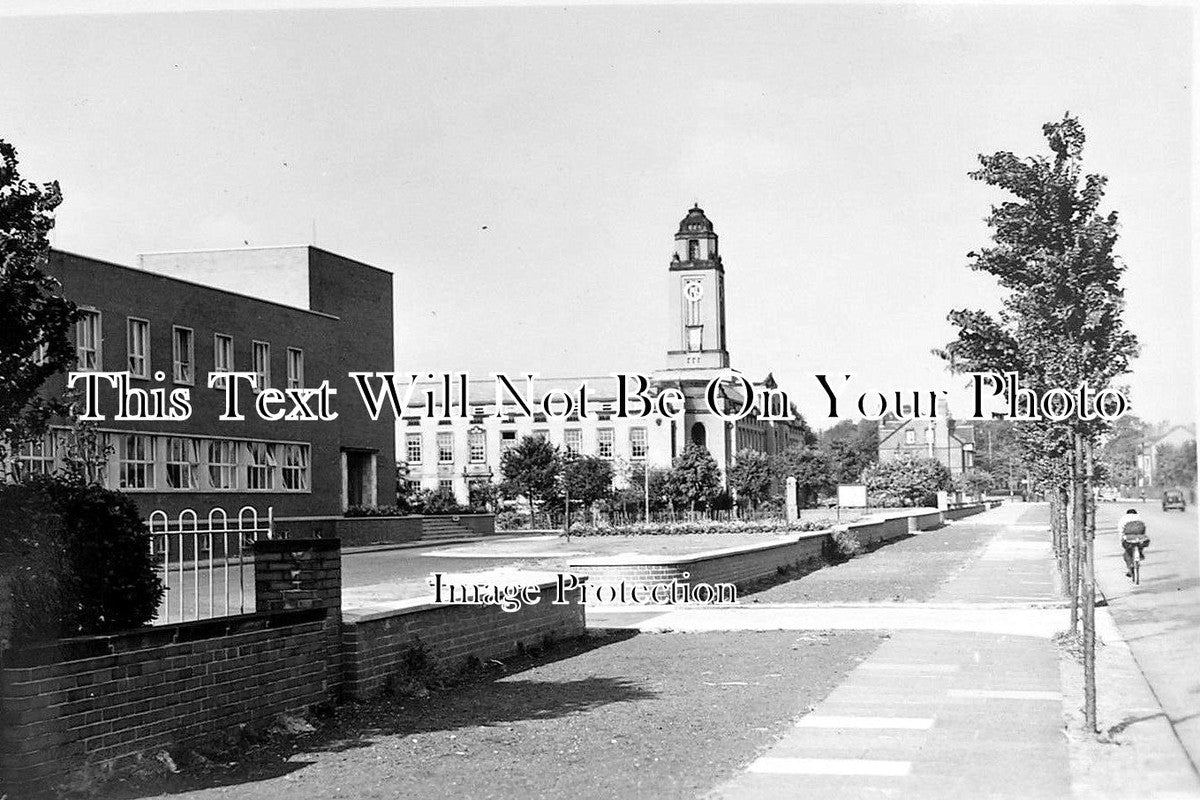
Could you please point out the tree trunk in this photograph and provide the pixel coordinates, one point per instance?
(1075, 539)
(1089, 594)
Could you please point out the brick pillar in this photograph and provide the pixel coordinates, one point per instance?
(304, 573)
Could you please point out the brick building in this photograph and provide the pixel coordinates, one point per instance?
(940, 438)
(295, 316)
(456, 454)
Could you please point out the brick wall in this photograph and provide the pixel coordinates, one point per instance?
(6, 608)
(374, 645)
(105, 699)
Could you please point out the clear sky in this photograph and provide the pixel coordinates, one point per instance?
(522, 170)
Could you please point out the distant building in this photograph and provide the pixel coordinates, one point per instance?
(295, 316)
(940, 438)
(1147, 459)
(454, 455)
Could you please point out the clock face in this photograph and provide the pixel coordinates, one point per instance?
(693, 291)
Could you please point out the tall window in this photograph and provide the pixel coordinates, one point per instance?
(637, 443)
(295, 368)
(295, 467)
(929, 435)
(910, 436)
(88, 341)
(222, 356)
(604, 442)
(184, 355)
(136, 461)
(36, 457)
(445, 444)
(412, 448)
(477, 445)
(222, 464)
(137, 337)
(446, 487)
(573, 439)
(262, 364)
(693, 249)
(260, 465)
(508, 440)
(183, 463)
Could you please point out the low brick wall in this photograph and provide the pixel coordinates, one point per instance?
(374, 643)
(109, 698)
(877, 531)
(737, 565)
(367, 531)
(965, 511)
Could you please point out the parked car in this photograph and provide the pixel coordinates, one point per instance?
(1108, 494)
(1173, 498)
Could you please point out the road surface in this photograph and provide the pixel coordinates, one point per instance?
(1160, 618)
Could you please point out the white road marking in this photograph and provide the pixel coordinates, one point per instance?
(867, 723)
(829, 766)
(1004, 694)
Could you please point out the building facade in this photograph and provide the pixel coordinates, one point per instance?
(169, 330)
(940, 438)
(456, 453)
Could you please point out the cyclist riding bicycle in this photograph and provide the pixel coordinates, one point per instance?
(1133, 538)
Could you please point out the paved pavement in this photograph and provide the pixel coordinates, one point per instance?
(969, 696)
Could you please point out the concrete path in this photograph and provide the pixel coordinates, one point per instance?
(969, 697)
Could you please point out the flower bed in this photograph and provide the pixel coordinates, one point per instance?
(764, 526)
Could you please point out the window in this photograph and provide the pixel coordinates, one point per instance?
(605, 442)
(542, 434)
(929, 435)
(88, 339)
(222, 464)
(446, 487)
(637, 443)
(184, 355)
(222, 356)
(413, 485)
(183, 463)
(910, 436)
(136, 461)
(445, 445)
(36, 457)
(693, 249)
(295, 468)
(260, 465)
(477, 445)
(573, 439)
(262, 364)
(137, 338)
(508, 440)
(412, 447)
(295, 368)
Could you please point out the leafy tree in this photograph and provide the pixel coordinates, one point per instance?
(1060, 325)
(1176, 465)
(973, 482)
(750, 476)
(695, 478)
(998, 452)
(1119, 452)
(850, 447)
(633, 493)
(906, 481)
(812, 470)
(35, 340)
(586, 479)
(531, 469)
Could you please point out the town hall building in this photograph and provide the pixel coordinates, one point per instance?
(457, 454)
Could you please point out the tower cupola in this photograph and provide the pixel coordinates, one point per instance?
(695, 241)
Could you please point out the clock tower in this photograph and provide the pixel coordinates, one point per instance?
(697, 297)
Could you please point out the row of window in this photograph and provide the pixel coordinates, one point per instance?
(910, 436)
(184, 463)
(89, 352)
(414, 444)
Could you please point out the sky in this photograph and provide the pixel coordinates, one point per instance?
(522, 170)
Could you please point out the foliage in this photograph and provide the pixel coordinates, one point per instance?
(973, 482)
(1176, 465)
(702, 526)
(694, 479)
(34, 315)
(750, 476)
(850, 448)
(531, 469)
(589, 479)
(83, 559)
(1119, 452)
(511, 521)
(812, 470)
(846, 545)
(998, 452)
(633, 493)
(905, 481)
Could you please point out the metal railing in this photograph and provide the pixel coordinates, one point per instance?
(206, 562)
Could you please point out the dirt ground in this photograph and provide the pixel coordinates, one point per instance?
(654, 716)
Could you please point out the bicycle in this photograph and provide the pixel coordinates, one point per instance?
(1135, 571)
